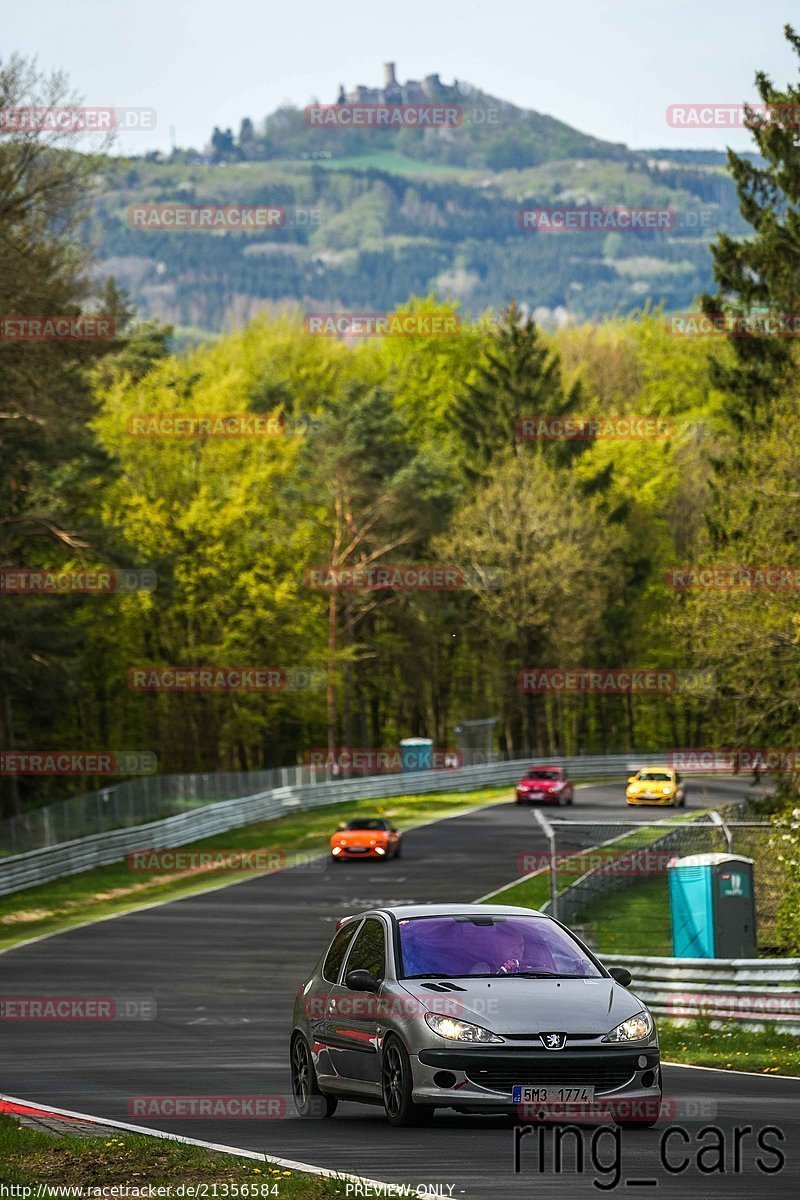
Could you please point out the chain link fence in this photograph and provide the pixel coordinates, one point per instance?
(136, 802)
(150, 798)
(610, 881)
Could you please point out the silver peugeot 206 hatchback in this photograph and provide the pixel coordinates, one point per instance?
(475, 1007)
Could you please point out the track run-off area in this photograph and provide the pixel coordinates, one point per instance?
(223, 967)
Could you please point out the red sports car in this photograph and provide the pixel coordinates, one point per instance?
(545, 785)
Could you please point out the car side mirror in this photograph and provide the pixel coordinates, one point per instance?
(633, 779)
(342, 825)
(621, 974)
(361, 981)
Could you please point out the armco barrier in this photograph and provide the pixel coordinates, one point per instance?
(69, 858)
(751, 991)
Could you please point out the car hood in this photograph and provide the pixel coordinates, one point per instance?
(506, 1004)
(540, 785)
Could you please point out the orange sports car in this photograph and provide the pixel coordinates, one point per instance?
(366, 837)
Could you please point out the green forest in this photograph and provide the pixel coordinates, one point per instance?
(371, 230)
(393, 451)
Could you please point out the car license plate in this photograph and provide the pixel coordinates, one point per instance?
(529, 1093)
(358, 849)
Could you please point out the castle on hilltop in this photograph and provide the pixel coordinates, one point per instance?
(412, 92)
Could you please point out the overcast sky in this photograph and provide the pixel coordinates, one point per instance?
(608, 67)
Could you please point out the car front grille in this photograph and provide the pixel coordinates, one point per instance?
(604, 1077)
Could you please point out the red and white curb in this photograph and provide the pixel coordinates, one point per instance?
(14, 1106)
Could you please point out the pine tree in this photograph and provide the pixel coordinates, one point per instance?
(762, 272)
(518, 376)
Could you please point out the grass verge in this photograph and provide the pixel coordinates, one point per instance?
(533, 890)
(29, 1158)
(726, 1045)
(632, 921)
(106, 891)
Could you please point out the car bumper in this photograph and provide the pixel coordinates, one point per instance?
(484, 1077)
(537, 797)
(669, 801)
(371, 852)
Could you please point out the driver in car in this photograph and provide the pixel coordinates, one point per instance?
(511, 945)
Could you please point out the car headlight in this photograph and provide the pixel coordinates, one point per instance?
(666, 790)
(635, 1029)
(459, 1031)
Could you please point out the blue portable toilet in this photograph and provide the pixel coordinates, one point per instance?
(416, 754)
(712, 906)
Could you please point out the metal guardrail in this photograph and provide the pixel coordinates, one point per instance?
(751, 991)
(138, 801)
(100, 849)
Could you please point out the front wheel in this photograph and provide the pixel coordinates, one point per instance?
(308, 1099)
(396, 1087)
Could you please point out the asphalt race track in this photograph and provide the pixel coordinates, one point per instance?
(223, 968)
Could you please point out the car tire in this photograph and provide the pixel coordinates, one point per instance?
(397, 850)
(309, 1101)
(396, 1088)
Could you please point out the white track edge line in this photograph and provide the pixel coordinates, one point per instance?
(220, 884)
(289, 1164)
(667, 1062)
(541, 870)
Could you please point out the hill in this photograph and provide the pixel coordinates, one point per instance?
(377, 215)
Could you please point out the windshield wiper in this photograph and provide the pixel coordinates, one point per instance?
(494, 975)
(437, 975)
(547, 975)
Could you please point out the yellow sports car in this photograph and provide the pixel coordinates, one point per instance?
(656, 785)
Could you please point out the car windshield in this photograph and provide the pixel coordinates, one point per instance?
(366, 823)
(552, 775)
(654, 776)
(490, 945)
